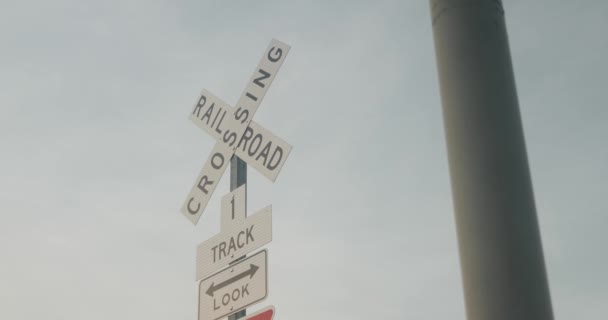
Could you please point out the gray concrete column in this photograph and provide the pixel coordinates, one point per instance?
(503, 269)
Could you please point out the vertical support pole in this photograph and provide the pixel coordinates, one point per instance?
(503, 269)
(238, 177)
(238, 172)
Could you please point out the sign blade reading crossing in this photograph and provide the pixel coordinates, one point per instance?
(206, 182)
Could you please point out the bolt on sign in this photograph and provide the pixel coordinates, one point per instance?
(234, 288)
(236, 133)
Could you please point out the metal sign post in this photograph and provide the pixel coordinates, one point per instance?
(238, 177)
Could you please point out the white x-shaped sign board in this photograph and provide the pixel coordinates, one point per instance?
(258, 147)
(239, 234)
(236, 133)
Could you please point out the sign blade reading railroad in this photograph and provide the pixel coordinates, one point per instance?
(236, 133)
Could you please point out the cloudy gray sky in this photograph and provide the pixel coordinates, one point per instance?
(98, 155)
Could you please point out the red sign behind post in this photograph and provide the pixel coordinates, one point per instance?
(264, 314)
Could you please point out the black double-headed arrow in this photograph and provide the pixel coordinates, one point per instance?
(252, 270)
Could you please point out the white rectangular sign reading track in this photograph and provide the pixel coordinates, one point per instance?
(239, 239)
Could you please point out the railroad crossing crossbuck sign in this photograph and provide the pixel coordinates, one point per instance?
(236, 133)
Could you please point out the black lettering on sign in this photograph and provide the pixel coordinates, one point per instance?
(195, 210)
(246, 136)
(199, 105)
(215, 307)
(278, 155)
(275, 57)
(208, 113)
(252, 97)
(265, 75)
(249, 234)
(269, 156)
(229, 247)
(229, 136)
(215, 118)
(259, 142)
(217, 129)
(222, 249)
(232, 202)
(264, 153)
(202, 185)
(236, 293)
(219, 157)
(241, 113)
(238, 239)
(228, 297)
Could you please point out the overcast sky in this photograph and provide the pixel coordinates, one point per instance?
(98, 155)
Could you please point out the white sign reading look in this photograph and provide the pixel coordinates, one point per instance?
(233, 129)
(239, 234)
(233, 288)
